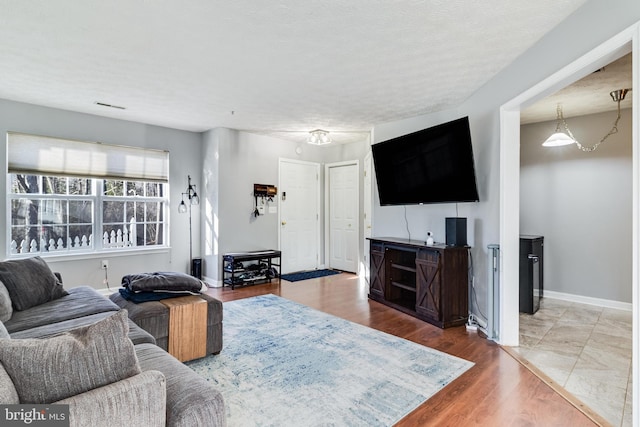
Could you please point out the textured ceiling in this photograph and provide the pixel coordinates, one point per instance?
(282, 68)
(588, 95)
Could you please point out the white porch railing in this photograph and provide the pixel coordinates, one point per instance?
(117, 238)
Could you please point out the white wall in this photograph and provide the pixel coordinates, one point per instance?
(591, 25)
(581, 203)
(185, 159)
(390, 220)
(235, 160)
(210, 202)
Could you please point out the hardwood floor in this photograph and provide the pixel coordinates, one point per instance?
(497, 391)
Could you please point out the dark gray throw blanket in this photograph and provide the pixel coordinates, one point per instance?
(139, 297)
(162, 281)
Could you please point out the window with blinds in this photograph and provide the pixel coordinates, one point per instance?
(71, 196)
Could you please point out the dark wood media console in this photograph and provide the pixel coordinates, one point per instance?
(428, 282)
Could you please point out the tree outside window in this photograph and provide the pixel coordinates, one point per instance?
(60, 214)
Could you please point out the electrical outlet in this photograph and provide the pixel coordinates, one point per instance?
(104, 264)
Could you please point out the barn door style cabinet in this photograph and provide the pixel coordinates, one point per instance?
(428, 282)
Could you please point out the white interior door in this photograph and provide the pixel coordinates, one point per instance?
(299, 215)
(343, 210)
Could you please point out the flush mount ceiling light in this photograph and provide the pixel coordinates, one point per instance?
(559, 138)
(319, 137)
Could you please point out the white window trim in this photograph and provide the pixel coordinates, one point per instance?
(98, 249)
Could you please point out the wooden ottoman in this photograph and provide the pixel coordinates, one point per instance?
(154, 317)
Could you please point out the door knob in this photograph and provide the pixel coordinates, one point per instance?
(284, 222)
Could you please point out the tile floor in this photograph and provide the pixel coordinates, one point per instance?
(586, 350)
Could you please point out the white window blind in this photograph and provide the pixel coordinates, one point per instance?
(43, 155)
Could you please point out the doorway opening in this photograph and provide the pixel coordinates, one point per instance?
(608, 52)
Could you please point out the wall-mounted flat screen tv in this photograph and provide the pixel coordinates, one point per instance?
(434, 165)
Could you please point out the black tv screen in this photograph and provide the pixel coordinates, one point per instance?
(434, 165)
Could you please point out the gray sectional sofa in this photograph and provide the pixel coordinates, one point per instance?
(124, 378)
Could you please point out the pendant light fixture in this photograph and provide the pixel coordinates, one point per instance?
(559, 138)
(564, 137)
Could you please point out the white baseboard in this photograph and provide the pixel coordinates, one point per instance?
(212, 283)
(627, 306)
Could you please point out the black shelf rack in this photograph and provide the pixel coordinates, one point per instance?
(232, 276)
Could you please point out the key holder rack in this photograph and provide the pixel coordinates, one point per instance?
(263, 194)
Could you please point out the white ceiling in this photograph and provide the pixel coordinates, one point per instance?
(588, 95)
(282, 68)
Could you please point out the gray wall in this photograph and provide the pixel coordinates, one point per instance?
(591, 25)
(582, 204)
(235, 160)
(223, 163)
(185, 159)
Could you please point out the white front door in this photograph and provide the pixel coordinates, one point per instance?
(299, 215)
(343, 210)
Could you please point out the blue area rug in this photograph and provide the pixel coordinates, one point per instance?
(304, 275)
(286, 364)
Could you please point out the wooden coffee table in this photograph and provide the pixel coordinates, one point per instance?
(187, 327)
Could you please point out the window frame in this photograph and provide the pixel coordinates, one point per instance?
(98, 198)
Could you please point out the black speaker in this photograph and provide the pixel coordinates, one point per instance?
(456, 230)
(196, 268)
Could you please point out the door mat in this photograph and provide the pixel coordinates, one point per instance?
(304, 275)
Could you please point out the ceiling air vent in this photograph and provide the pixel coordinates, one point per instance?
(103, 104)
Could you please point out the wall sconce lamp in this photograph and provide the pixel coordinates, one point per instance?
(560, 137)
(319, 137)
(193, 198)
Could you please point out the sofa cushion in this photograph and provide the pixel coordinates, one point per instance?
(191, 400)
(6, 309)
(8, 392)
(51, 369)
(30, 282)
(81, 301)
(48, 330)
(137, 335)
(3, 331)
(138, 401)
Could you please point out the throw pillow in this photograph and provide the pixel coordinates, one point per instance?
(3, 331)
(30, 282)
(8, 393)
(50, 369)
(6, 310)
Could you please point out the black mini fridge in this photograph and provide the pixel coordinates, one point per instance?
(531, 273)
